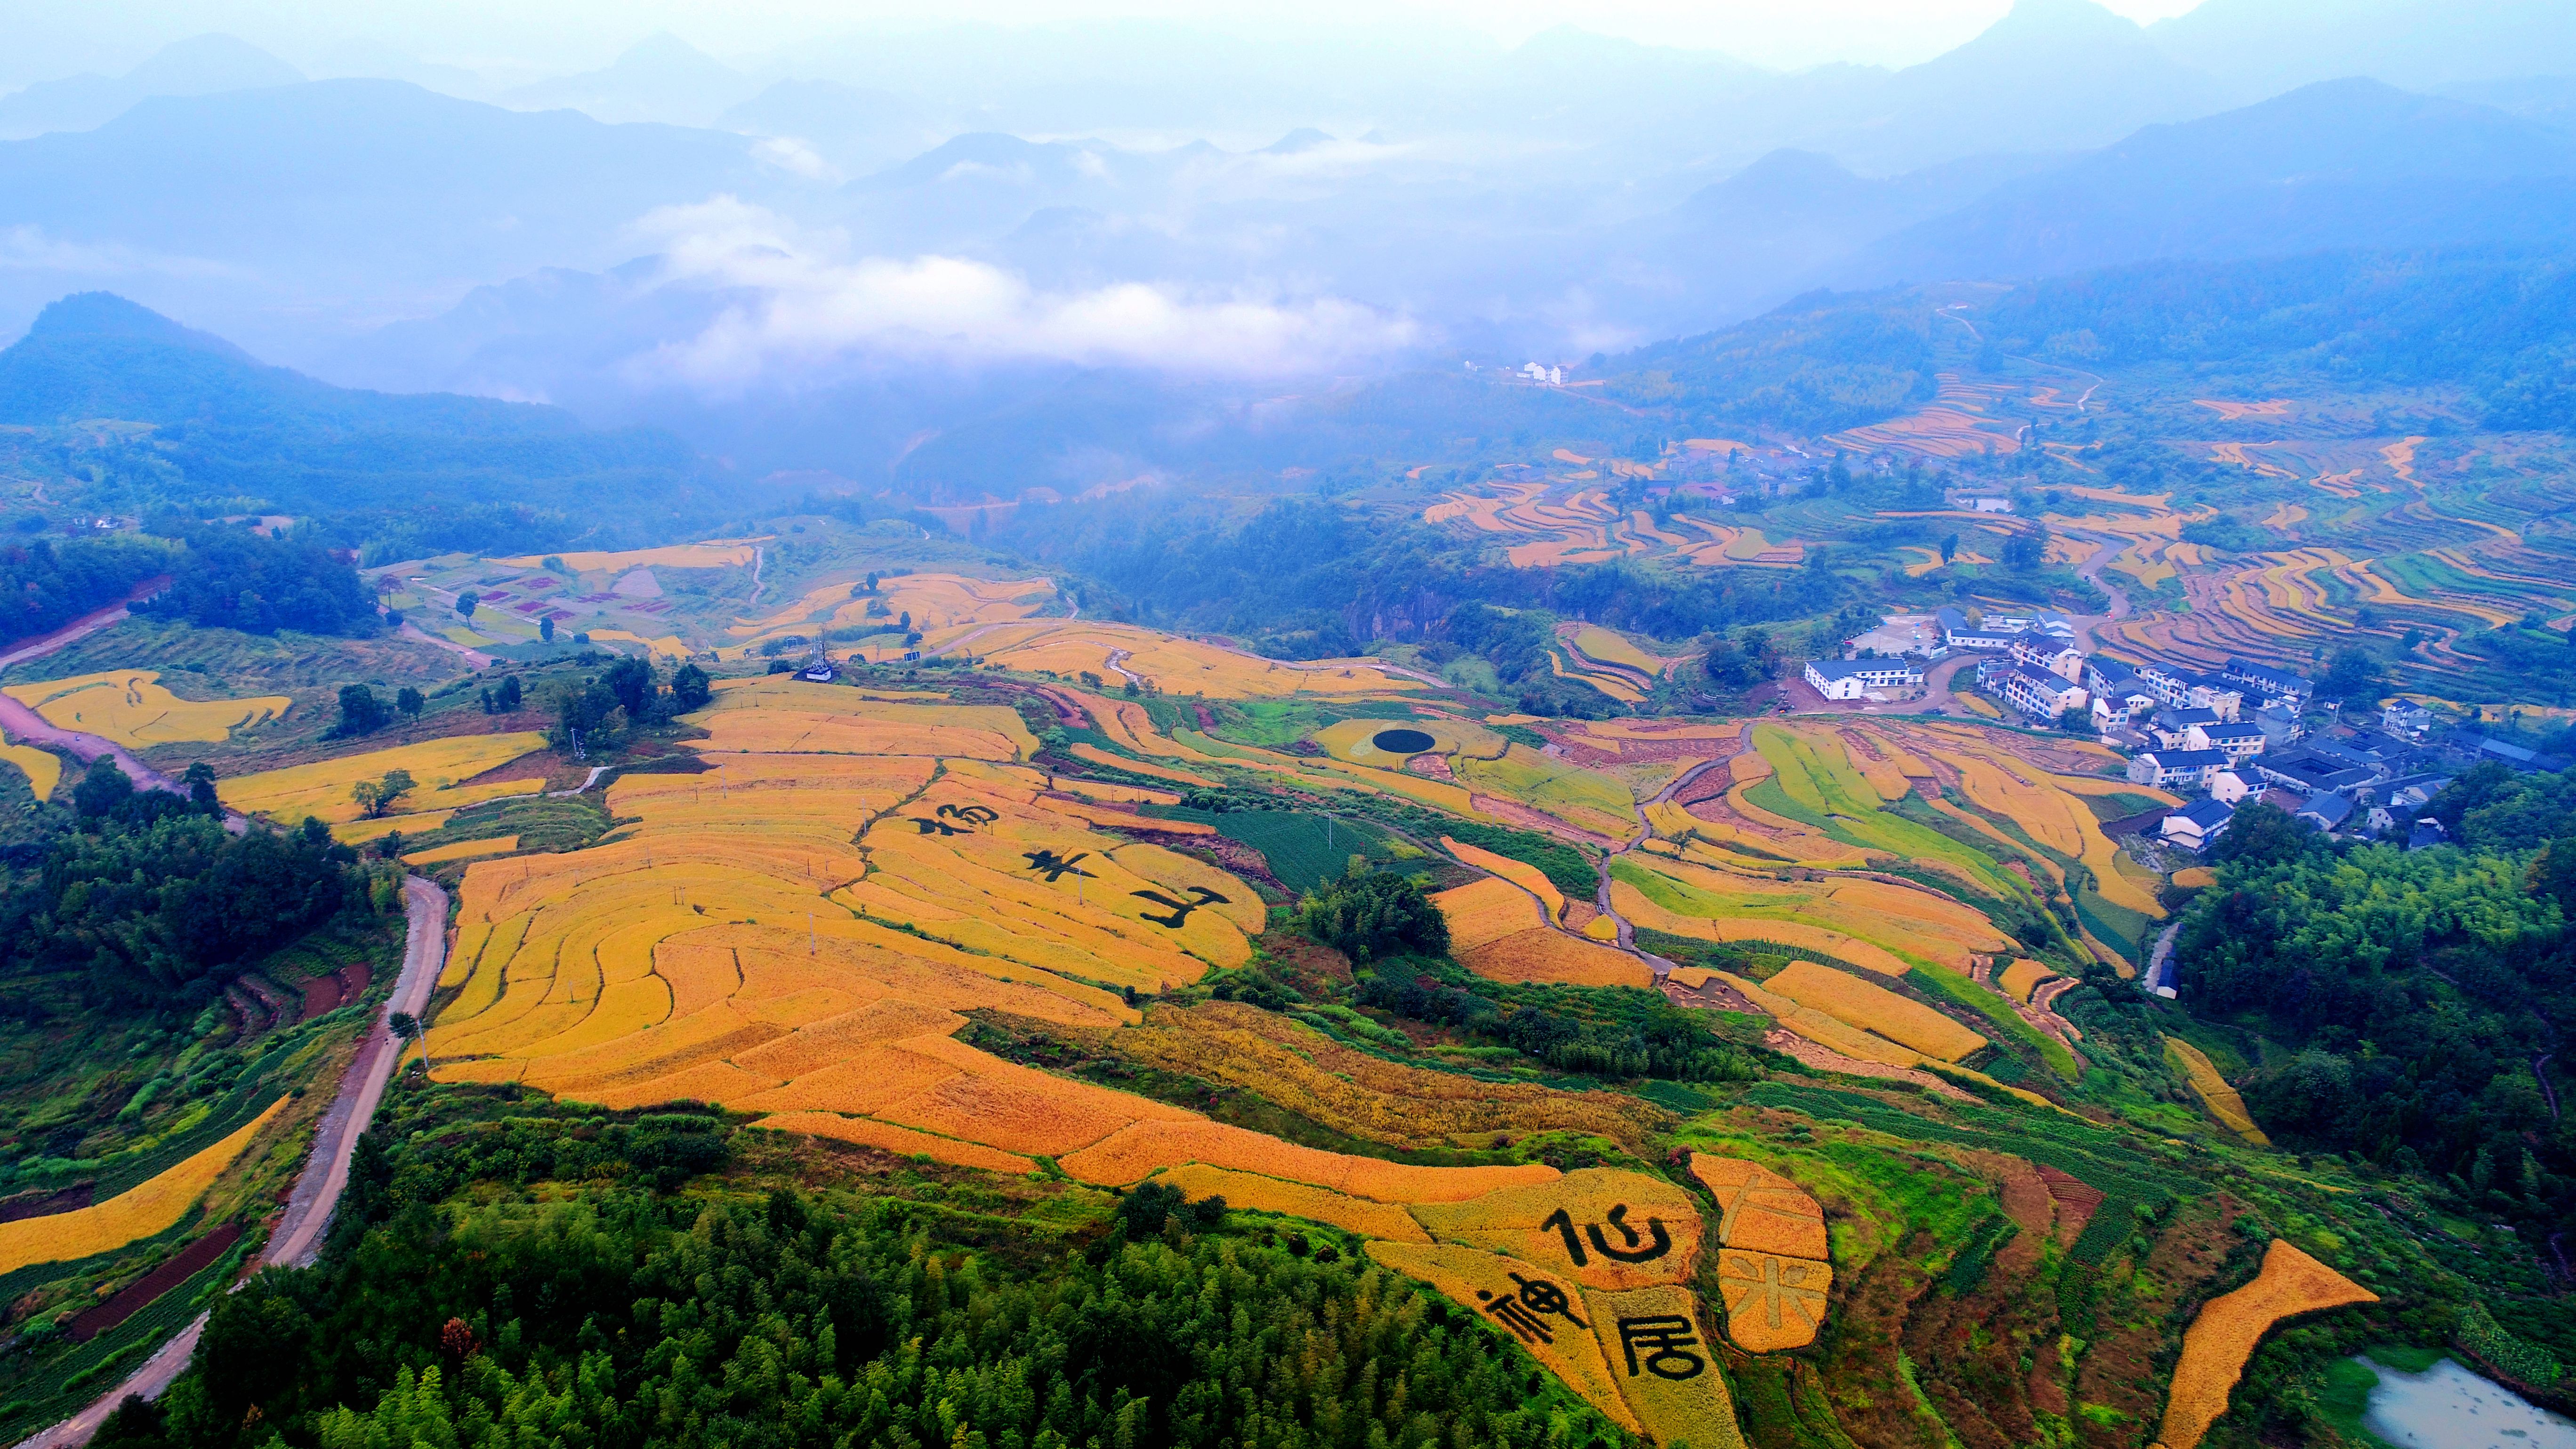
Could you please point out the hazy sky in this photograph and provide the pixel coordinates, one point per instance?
(50, 37)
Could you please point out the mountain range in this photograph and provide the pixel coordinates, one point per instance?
(818, 270)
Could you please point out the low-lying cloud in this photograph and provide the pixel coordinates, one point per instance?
(805, 304)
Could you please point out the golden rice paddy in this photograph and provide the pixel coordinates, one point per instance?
(43, 768)
(1855, 1002)
(2224, 1102)
(321, 790)
(2223, 1336)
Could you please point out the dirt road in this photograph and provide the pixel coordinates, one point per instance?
(28, 727)
(326, 1169)
(418, 635)
(38, 646)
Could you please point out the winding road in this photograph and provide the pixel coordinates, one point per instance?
(298, 1235)
(23, 724)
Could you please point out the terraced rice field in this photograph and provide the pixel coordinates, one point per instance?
(1555, 958)
(2224, 1103)
(321, 790)
(1176, 666)
(1886, 927)
(712, 554)
(132, 708)
(1855, 1002)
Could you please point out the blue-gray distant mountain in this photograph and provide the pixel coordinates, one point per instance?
(2337, 165)
(2269, 46)
(202, 65)
(661, 78)
(227, 425)
(850, 128)
(266, 208)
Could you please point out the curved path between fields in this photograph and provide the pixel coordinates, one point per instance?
(419, 635)
(1601, 898)
(298, 1235)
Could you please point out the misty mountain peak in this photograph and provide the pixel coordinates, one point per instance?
(666, 56)
(105, 314)
(2063, 20)
(1304, 138)
(204, 64)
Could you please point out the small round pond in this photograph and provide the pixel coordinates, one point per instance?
(1402, 742)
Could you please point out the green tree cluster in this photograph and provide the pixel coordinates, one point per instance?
(2419, 991)
(231, 578)
(164, 911)
(1373, 916)
(45, 585)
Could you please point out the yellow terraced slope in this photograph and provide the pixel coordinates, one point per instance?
(133, 709)
(130, 1216)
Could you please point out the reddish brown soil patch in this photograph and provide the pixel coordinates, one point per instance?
(1579, 914)
(329, 993)
(2119, 1369)
(45, 1204)
(1068, 710)
(1434, 767)
(1306, 964)
(139, 1296)
(2075, 1203)
(1870, 1395)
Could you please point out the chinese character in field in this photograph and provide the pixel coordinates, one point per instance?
(1664, 1341)
(966, 816)
(1524, 1313)
(1180, 909)
(1654, 1243)
(1057, 867)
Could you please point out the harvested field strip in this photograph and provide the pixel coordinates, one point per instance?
(2223, 1336)
(1855, 1002)
(1520, 873)
(1543, 955)
(130, 1216)
(902, 1141)
(1295, 1199)
(2224, 1102)
(715, 553)
(1137, 1152)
